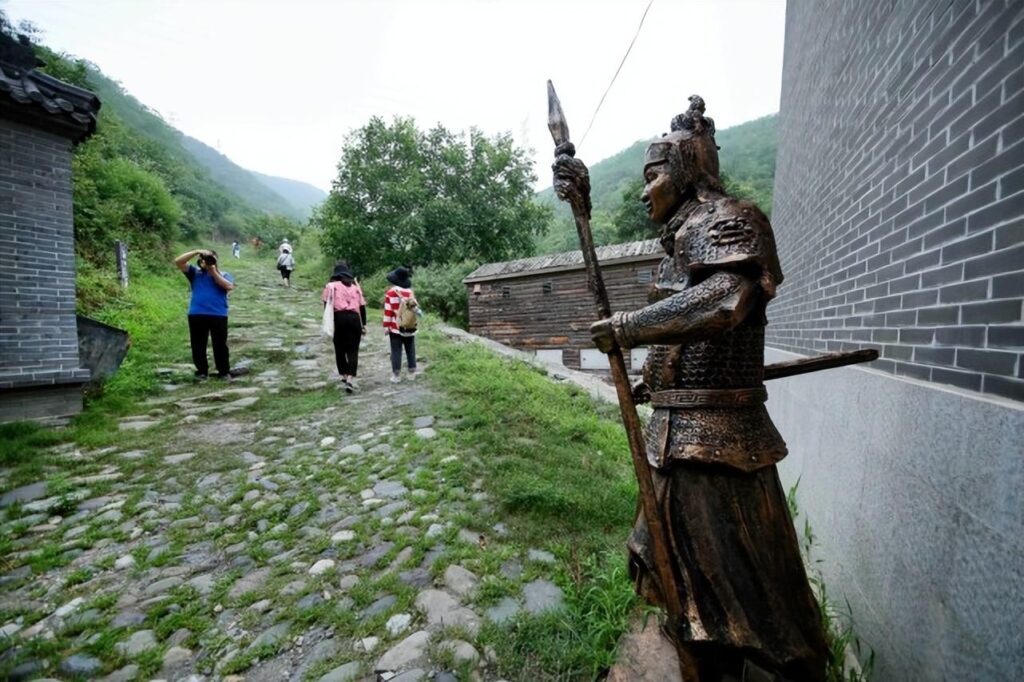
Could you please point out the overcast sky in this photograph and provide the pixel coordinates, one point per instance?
(276, 85)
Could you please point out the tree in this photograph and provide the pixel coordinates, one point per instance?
(407, 196)
(272, 229)
(631, 220)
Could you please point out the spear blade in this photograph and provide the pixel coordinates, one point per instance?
(556, 118)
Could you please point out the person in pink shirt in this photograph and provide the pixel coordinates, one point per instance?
(346, 298)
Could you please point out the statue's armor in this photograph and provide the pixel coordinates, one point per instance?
(711, 391)
(738, 581)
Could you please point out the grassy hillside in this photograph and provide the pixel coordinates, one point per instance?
(135, 181)
(302, 196)
(747, 157)
(218, 187)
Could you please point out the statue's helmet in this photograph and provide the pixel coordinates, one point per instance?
(689, 150)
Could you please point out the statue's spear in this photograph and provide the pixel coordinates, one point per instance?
(580, 202)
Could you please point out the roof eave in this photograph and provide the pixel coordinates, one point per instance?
(36, 117)
(470, 279)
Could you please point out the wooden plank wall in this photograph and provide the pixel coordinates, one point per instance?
(530, 319)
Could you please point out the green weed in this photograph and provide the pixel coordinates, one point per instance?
(77, 577)
(577, 642)
(838, 624)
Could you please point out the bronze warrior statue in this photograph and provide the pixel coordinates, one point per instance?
(740, 589)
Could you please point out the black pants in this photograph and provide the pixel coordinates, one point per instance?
(397, 343)
(215, 326)
(348, 331)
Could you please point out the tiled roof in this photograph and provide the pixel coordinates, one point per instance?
(568, 260)
(39, 100)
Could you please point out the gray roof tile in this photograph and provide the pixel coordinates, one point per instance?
(567, 260)
(37, 99)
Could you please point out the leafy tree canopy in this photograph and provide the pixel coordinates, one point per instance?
(404, 195)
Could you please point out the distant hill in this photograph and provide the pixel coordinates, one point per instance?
(240, 181)
(747, 157)
(301, 195)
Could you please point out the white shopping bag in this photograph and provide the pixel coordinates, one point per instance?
(327, 326)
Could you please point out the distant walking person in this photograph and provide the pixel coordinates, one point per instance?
(236, 249)
(401, 314)
(345, 296)
(286, 263)
(208, 310)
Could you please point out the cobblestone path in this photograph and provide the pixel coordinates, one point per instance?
(271, 528)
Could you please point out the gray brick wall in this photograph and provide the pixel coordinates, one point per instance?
(38, 339)
(899, 187)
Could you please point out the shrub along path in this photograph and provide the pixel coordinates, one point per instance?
(275, 527)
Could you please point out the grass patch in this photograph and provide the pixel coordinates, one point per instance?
(552, 459)
(21, 441)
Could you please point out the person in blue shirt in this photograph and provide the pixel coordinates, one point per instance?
(208, 310)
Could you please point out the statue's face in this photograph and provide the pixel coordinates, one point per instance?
(660, 195)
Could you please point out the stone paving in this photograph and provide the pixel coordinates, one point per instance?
(271, 528)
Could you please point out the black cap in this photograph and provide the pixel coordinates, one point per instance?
(400, 277)
(342, 270)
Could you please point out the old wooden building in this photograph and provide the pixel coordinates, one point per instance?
(542, 305)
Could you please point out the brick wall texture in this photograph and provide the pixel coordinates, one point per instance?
(38, 338)
(899, 187)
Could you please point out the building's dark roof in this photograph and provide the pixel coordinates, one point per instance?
(569, 260)
(41, 101)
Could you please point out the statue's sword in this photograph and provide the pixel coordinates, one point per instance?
(648, 500)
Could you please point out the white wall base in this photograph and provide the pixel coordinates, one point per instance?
(915, 492)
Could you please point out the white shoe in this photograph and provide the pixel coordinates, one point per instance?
(352, 383)
(395, 379)
(412, 376)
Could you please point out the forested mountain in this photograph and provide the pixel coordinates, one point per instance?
(608, 178)
(191, 163)
(747, 158)
(301, 195)
(238, 180)
(140, 180)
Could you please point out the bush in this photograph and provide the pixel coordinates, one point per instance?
(117, 199)
(440, 291)
(374, 285)
(95, 286)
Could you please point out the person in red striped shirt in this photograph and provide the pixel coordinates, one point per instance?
(400, 314)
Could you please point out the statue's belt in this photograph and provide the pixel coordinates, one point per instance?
(709, 397)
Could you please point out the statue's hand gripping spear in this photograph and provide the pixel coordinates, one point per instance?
(572, 184)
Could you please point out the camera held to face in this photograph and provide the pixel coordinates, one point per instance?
(208, 259)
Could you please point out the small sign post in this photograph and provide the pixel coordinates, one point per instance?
(121, 250)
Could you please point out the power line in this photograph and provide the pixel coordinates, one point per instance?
(628, 49)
